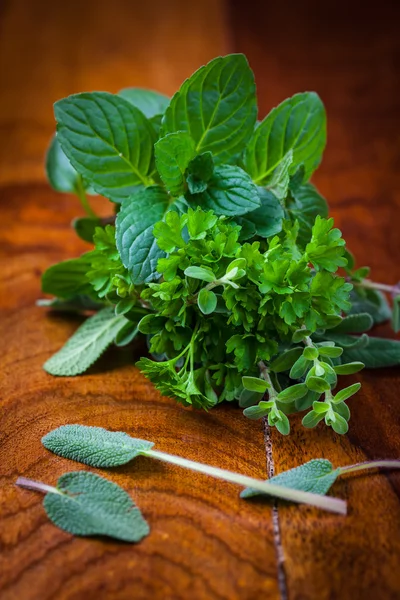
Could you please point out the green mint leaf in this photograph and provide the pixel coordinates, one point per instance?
(230, 192)
(207, 301)
(279, 182)
(68, 278)
(94, 446)
(378, 353)
(354, 323)
(216, 106)
(349, 368)
(396, 314)
(306, 206)
(316, 476)
(199, 172)
(86, 504)
(255, 384)
(298, 124)
(60, 173)
(134, 232)
(107, 140)
(266, 220)
(150, 103)
(86, 345)
(85, 227)
(173, 154)
(202, 273)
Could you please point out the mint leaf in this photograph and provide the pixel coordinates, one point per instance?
(68, 278)
(107, 140)
(298, 124)
(279, 182)
(378, 353)
(316, 476)
(60, 173)
(86, 504)
(199, 172)
(307, 204)
(173, 154)
(94, 446)
(216, 106)
(150, 103)
(266, 220)
(85, 227)
(134, 232)
(230, 192)
(86, 345)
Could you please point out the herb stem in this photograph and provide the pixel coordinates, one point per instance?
(325, 502)
(382, 287)
(29, 484)
(80, 192)
(372, 464)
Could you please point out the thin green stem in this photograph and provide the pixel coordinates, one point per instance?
(80, 192)
(325, 502)
(382, 287)
(29, 484)
(373, 464)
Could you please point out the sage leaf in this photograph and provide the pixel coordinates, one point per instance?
(355, 323)
(372, 302)
(230, 192)
(107, 140)
(298, 124)
(396, 314)
(316, 476)
(86, 345)
(216, 106)
(94, 446)
(173, 154)
(379, 353)
(136, 243)
(86, 504)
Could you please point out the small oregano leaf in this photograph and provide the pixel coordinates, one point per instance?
(316, 476)
(207, 301)
(86, 504)
(87, 344)
(94, 446)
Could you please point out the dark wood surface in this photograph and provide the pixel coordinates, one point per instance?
(204, 543)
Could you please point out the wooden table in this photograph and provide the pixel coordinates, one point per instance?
(205, 543)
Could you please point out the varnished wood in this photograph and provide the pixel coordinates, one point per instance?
(204, 543)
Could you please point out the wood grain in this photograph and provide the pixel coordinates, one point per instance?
(351, 57)
(205, 543)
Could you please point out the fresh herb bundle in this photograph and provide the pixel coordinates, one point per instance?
(220, 250)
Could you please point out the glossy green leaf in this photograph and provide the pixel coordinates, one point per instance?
(150, 103)
(86, 345)
(134, 232)
(107, 140)
(216, 106)
(298, 124)
(306, 206)
(86, 504)
(173, 154)
(266, 220)
(279, 181)
(85, 227)
(199, 172)
(230, 192)
(94, 446)
(60, 173)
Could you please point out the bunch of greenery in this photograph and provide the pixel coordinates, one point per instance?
(220, 250)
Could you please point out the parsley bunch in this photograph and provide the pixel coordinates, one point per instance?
(220, 250)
